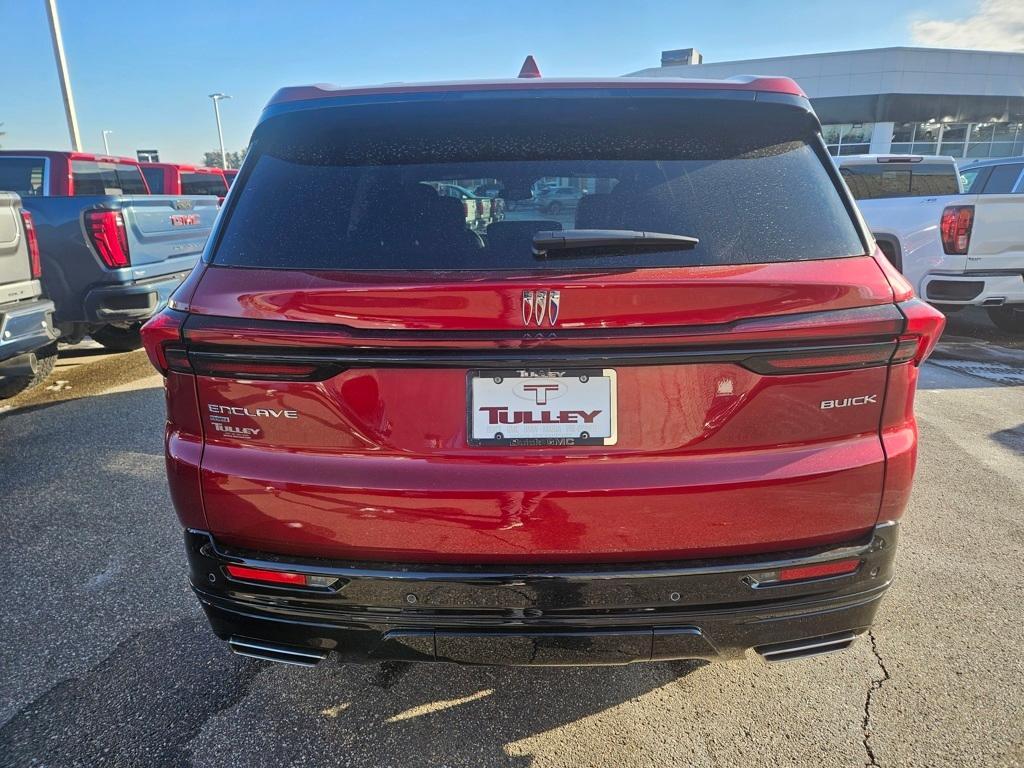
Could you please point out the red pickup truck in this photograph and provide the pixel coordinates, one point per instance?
(177, 179)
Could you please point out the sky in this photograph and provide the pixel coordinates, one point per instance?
(143, 69)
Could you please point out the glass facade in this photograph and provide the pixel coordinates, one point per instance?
(970, 140)
(848, 138)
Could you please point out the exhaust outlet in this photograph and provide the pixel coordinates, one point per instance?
(282, 654)
(21, 366)
(802, 649)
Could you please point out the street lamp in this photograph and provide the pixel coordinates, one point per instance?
(217, 97)
(106, 144)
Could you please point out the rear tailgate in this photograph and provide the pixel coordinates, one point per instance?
(14, 261)
(997, 236)
(165, 227)
(716, 451)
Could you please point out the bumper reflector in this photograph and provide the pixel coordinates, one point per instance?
(287, 578)
(819, 571)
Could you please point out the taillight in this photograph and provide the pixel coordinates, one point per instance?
(821, 359)
(955, 226)
(923, 329)
(107, 233)
(161, 335)
(901, 287)
(33, 245)
(232, 367)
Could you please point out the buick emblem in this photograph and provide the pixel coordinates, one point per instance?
(540, 307)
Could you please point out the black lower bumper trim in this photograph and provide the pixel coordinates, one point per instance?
(535, 616)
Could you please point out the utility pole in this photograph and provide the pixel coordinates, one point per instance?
(217, 97)
(106, 144)
(62, 71)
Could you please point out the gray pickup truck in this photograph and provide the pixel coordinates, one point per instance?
(28, 340)
(112, 253)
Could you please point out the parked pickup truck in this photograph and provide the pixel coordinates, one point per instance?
(983, 237)
(28, 340)
(175, 179)
(901, 197)
(958, 236)
(112, 253)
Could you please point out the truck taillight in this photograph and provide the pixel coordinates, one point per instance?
(162, 338)
(955, 226)
(108, 236)
(33, 245)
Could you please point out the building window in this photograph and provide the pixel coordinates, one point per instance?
(970, 140)
(848, 138)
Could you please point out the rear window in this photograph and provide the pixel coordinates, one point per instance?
(1003, 179)
(155, 179)
(24, 175)
(100, 178)
(384, 188)
(870, 182)
(203, 184)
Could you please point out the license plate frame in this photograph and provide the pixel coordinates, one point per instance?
(511, 377)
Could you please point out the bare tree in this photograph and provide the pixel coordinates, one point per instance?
(212, 159)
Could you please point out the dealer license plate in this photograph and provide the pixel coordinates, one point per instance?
(542, 407)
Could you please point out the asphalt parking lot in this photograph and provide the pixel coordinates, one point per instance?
(107, 660)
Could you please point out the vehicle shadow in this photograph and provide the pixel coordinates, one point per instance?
(108, 659)
(1012, 438)
(435, 714)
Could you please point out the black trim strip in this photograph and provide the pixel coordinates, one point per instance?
(330, 362)
(789, 324)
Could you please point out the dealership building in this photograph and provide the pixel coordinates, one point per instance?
(925, 101)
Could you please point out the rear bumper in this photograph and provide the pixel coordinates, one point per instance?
(975, 288)
(544, 615)
(130, 302)
(25, 327)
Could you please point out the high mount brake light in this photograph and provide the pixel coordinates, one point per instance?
(956, 225)
(106, 231)
(33, 245)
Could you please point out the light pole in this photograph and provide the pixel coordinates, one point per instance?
(106, 144)
(217, 97)
(62, 73)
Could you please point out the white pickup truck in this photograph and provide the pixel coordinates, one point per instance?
(958, 237)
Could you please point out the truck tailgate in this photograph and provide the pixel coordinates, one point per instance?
(163, 227)
(14, 263)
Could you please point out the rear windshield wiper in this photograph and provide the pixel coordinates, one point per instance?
(605, 240)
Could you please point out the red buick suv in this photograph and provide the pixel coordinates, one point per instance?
(673, 420)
